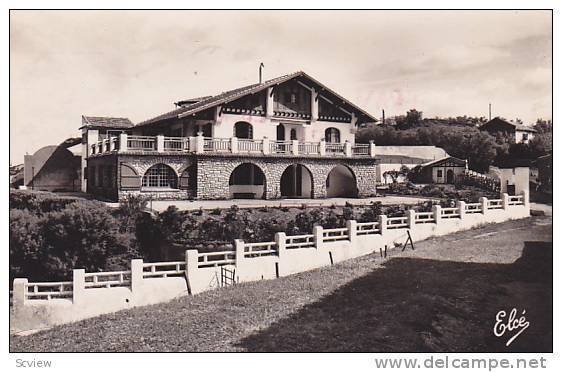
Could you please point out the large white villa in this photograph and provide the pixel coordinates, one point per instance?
(287, 137)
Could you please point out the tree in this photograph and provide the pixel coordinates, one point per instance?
(413, 119)
(396, 174)
(543, 126)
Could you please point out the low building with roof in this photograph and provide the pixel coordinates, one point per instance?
(519, 133)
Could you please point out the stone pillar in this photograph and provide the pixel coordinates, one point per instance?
(436, 209)
(322, 148)
(234, 145)
(266, 148)
(313, 105)
(484, 202)
(372, 148)
(295, 147)
(281, 241)
(318, 232)
(462, 209)
(199, 143)
(123, 143)
(159, 143)
(136, 275)
(383, 220)
(269, 103)
(19, 292)
(239, 248)
(347, 149)
(78, 285)
(351, 230)
(411, 214)
(505, 201)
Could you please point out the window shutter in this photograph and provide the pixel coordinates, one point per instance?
(129, 180)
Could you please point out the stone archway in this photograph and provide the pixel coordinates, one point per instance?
(297, 182)
(247, 181)
(341, 183)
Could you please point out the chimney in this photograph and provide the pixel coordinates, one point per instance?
(261, 66)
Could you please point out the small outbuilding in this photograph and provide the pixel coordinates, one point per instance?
(446, 170)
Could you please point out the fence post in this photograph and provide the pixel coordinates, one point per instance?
(281, 241)
(191, 267)
(525, 194)
(123, 143)
(18, 296)
(462, 209)
(484, 202)
(347, 149)
(411, 214)
(265, 146)
(199, 143)
(239, 248)
(78, 285)
(322, 147)
(136, 274)
(351, 230)
(234, 145)
(159, 143)
(383, 223)
(295, 147)
(372, 148)
(436, 209)
(318, 232)
(505, 201)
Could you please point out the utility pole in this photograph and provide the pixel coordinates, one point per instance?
(382, 116)
(489, 111)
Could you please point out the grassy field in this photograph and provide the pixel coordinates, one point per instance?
(443, 296)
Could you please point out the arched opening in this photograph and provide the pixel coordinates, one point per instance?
(296, 182)
(341, 183)
(247, 181)
(450, 176)
(243, 130)
(280, 132)
(160, 176)
(332, 135)
(293, 134)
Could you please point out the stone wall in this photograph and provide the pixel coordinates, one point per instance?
(213, 173)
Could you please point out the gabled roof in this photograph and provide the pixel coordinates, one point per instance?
(105, 122)
(500, 121)
(438, 162)
(234, 94)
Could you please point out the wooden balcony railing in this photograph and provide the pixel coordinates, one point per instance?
(208, 145)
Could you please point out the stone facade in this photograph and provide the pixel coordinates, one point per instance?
(213, 174)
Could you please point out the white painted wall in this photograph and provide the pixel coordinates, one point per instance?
(518, 176)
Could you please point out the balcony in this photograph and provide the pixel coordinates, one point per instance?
(205, 145)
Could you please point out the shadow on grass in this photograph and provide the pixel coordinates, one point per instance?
(418, 305)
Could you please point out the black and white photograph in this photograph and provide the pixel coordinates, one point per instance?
(281, 181)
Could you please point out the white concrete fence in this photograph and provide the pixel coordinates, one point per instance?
(39, 305)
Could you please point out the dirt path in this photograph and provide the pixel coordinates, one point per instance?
(441, 297)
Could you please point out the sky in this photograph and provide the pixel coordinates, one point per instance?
(135, 64)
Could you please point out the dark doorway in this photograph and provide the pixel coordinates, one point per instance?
(296, 182)
(450, 176)
(280, 132)
(243, 130)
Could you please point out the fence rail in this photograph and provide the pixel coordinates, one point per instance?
(340, 233)
(144, 143)
(176, 144)
(260, 249)
(450, 213)
(299, 241)
(335, 149)
(163, 269)
(216, 258)
(248, 145)
(424, 217)
(107, 279)
(515, 200)
(217, 145)
(48, 290)
(368, 228)
(281, 147)
(397, 222)
(309, 148)
(473, 208)
(360, 150)
(495, 204)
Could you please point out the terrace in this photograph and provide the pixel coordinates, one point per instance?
(205, 145)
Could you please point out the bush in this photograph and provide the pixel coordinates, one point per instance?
(36, 202)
